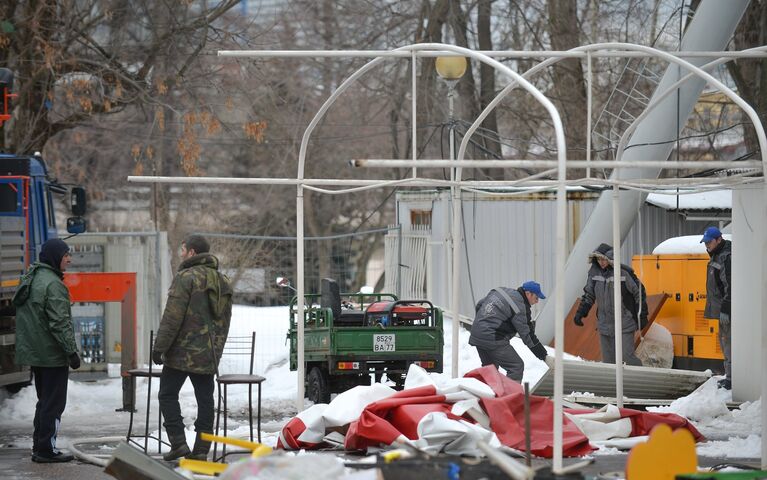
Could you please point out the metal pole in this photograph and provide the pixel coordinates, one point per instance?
(300, 294)
(617, 305)
(455, 240)
(399, 262)
(158, 279)
(588, 112)
(603, 52)
(559, 305)
(414, 109)
(764, 328)
(528, 461)
(547, 164)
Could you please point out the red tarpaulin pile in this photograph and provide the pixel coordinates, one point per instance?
(396, 418)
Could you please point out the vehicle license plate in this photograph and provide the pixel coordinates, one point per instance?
(384, 342)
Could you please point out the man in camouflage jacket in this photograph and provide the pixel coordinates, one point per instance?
(190, 342)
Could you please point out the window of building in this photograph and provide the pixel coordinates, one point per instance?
(420, 217)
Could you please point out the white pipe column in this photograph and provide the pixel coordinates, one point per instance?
(300, 293)
(559, 306)
(764, 326)
(457, 238)
(710, 29)
(618, 308)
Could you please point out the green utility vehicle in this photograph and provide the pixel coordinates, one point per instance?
(347, 341)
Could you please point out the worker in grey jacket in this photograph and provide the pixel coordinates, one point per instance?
(718, 293)
(599, 290)
(503, 313)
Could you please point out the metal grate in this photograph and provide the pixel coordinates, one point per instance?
(701, 322)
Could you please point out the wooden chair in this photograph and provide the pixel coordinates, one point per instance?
(238, 346)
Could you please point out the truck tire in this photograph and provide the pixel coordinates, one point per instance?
(318, 386)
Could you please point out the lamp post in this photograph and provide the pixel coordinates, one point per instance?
(451, 69)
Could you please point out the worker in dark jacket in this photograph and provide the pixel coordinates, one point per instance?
(45, 340)
(599, 290)
(503, 313)
(719, 293)
(190, 341)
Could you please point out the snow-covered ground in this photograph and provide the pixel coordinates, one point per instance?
(91, 405)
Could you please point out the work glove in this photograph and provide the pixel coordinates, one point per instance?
(578, 319)
(539, 351)
(724, 319)
(157, 357)
(549, 362)
(74, 361)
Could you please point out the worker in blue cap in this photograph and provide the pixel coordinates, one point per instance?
(719, 293)
(503, 313)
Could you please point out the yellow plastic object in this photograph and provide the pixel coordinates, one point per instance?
(683, 278)
(258, 449)
(203, 467)
(664, 456)
(389, 457)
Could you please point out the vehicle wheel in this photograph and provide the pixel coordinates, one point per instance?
(318, 386)
(398, 379)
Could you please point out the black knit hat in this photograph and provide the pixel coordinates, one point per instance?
(53, 251)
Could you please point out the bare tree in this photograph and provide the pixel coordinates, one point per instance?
(750, 74)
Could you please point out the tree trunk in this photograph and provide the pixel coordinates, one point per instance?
(569, 85)
(750, 74)
(435, 18)
(487, 79)
(31, 123)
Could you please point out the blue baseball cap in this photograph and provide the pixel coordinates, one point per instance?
(533, 287)
(710, 234)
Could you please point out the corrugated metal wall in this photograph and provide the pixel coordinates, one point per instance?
(510, 239)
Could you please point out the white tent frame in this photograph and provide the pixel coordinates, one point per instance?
(457, 184)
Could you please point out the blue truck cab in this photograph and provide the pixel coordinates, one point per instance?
(27, 220)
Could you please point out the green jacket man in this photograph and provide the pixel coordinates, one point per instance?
(45, 340)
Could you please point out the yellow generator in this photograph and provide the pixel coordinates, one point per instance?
(683, 278)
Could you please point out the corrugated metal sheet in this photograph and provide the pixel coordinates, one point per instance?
(638, 382)
(510, 239)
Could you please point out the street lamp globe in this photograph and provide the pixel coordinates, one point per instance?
(451, 68)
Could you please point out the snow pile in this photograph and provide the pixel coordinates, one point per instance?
(710, 200)
(688, 244)
(703, 405)
(731, 434)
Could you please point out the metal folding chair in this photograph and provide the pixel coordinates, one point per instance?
(149, 374)
(238, 346)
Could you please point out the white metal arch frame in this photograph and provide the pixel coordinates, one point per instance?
(561, 214)
(561, 157)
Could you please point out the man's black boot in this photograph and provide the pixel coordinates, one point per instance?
(52, 457)
(178, 447)
(200, 450)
